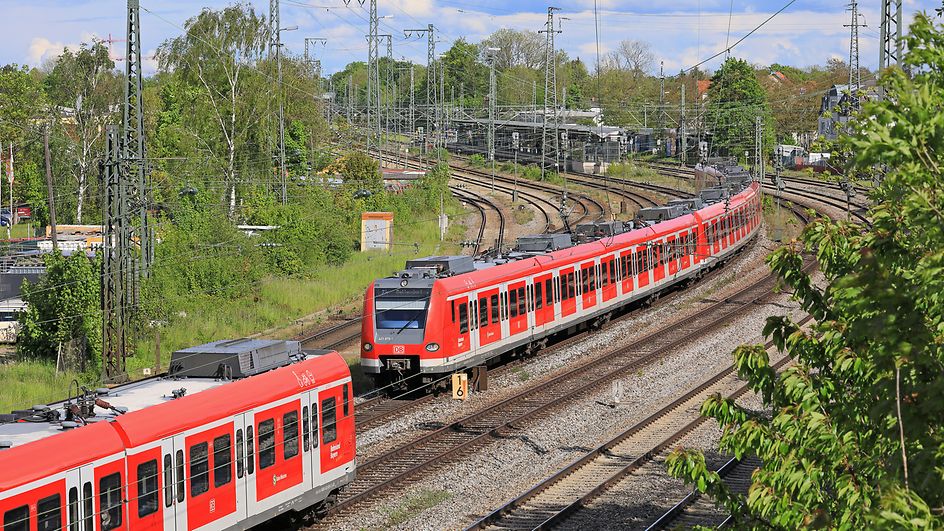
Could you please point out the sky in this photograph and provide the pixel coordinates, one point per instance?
(682, 33)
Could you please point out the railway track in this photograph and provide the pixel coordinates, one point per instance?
(696, 509)
(409, 461)
(553, 500)
(858, 212)
(482, 203)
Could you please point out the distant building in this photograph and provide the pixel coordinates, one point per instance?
(835, 107)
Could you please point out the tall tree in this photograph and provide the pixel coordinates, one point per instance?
(854, 436)
(518, 48)
(85, 91)
(735, 99)
(217, 58)
(635, 57)
(463, 69)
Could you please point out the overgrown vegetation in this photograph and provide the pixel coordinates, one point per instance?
(854, 439)
(415, 504)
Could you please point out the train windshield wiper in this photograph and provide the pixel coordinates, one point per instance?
(411, 320)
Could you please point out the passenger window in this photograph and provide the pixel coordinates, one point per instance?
(571, 286)
(314, 421)
(266, 444)
(73, 509)
(17, 519)
(329, 420)
(181, 492)
(290, 435)
(240, 455)
(49, 513)
(539, 295)
(514, 303)
(347, 410)
(495, 315)
(463, 319)
(199, 469)
(613, 277)
(250, 451)
(483, 312)
(147, 488)
(109, 495)
(548, 292)
(168, 480)
(222, 460)
(306, 433)
(87, 504)
(522, 303)
(452, 310)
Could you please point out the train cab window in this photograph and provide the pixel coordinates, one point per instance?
(329, 421)
(314, 423)
(483, 312)
(168, 480)
(74, 509)
(538, 295)
(222, 460)
(306, 433)
(87, 504)
(496, 316)
(514, 303)
(240, 455)
(250, 451)
(109, 495)
(463, 318)
(290, 442)
(199, 469)
(147, 488)
(345, 401)
(49, 513)
(266, 444)
(17, 519)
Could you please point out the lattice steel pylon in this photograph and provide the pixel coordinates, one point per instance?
(890, 43)
(431, 91)
(116, 259)
(550, 94)
(133, 152)
(388, 83)
(855, 76)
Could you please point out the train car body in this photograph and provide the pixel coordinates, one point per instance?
(186, 452)
(444, 314)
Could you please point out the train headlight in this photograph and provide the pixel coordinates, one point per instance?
(432, 347)
(368, 347)
(404, 282)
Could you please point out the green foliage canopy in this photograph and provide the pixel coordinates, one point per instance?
(735, 99)
(855, 438)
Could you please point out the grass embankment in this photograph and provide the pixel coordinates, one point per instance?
(275, 302)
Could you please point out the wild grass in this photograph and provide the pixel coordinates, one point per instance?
(415, 504)
(628, 170)
(27, 382)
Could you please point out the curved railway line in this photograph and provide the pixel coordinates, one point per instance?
(409, 461)
(857, 210)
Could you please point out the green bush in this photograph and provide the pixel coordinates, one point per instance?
(477, 160)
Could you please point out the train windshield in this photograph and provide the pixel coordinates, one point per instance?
(402, 309)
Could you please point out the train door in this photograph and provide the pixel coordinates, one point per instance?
(626, 261)
(80, 499)
(568, 291)
(588, 286)
(240, 422)
(311, 425)
(684, 240)
(543, 301)
(458, 338)
(608, 274)
(176, 517)
(672, 254)
(658, 259)
(517, 309)
(489, 317)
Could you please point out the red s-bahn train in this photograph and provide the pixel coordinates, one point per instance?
(443, 314)
(237, 433)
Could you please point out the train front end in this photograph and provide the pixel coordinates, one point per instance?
(403, 323)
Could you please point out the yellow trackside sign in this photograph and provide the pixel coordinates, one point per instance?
(460, 386)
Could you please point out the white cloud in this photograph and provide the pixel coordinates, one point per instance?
(41, 49)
